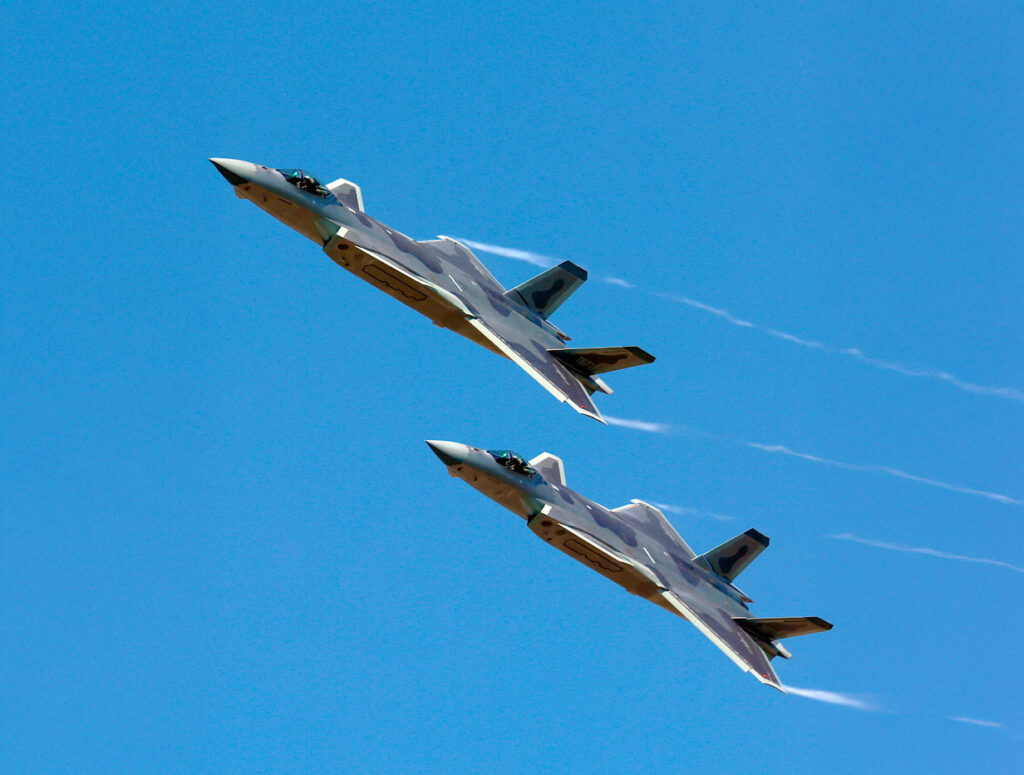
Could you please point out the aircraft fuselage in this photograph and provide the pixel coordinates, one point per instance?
(598, 537)
(319, 217)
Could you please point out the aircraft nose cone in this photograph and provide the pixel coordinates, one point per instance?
(451, 453)
(234, 171)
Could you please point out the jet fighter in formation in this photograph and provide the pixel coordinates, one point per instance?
(637, 548)
(441, 279)
(633, 545)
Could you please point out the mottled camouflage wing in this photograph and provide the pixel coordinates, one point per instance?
(650, 521)
(536, 361)
(439, 304)
(597, 540)
(458, 254)
(718, 626)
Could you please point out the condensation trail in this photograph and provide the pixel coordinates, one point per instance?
(918, 372)
(667, 429)
(780, 449)
(978, 722)
(944, 376)
(834, 698)
(519, 255)
(640, 425)
(924, 550)
(689, 512)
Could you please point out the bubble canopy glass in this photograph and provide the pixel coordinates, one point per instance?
(510, 460)
(304, 181)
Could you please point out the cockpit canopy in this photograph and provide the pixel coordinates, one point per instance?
(306, 182)
(510, 460)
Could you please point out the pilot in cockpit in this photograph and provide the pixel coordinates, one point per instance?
(512, 461)
(304, 181)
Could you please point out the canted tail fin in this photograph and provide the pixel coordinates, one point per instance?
(768, 632)
(731, 558)
(550, 467)
(348, 192)
(546, 292)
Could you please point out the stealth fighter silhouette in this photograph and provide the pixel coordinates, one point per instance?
(637, 548)
(441, 279)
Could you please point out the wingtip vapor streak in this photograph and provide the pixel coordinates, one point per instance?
(636, 547)
(440, 279)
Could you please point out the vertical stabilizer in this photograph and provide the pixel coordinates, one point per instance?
(348, 192)
(731, 558)
(550, 467)
(546, 292)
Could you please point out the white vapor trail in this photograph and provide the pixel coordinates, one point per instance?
(538, 259)
(834, 698)
(944, 376)
(666, 429)
(875, 469)
(520, 255)
(923, 550)
(851, 352)
(724, 314)
(688, 512)
(618, 281)
(639, 425)
(663, 428)
(978, 722)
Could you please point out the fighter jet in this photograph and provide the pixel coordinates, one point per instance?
(637, 548)
(441, 279)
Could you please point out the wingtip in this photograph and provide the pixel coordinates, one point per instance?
(769, 680)
(594, 413)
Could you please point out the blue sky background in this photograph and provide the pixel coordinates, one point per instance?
(225, 546)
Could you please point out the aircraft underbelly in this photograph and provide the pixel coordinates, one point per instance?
(395, 284)
(590, 552)
(511, 498)
(298, 218)
(407, 289)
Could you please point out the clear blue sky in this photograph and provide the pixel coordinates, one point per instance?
(225, 547)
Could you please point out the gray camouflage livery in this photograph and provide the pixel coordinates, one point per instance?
(441, 279)
(637, 548)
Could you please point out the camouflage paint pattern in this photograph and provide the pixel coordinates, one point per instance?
(441, 279)
(636, 547)
(547, 291)
(732, 557)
